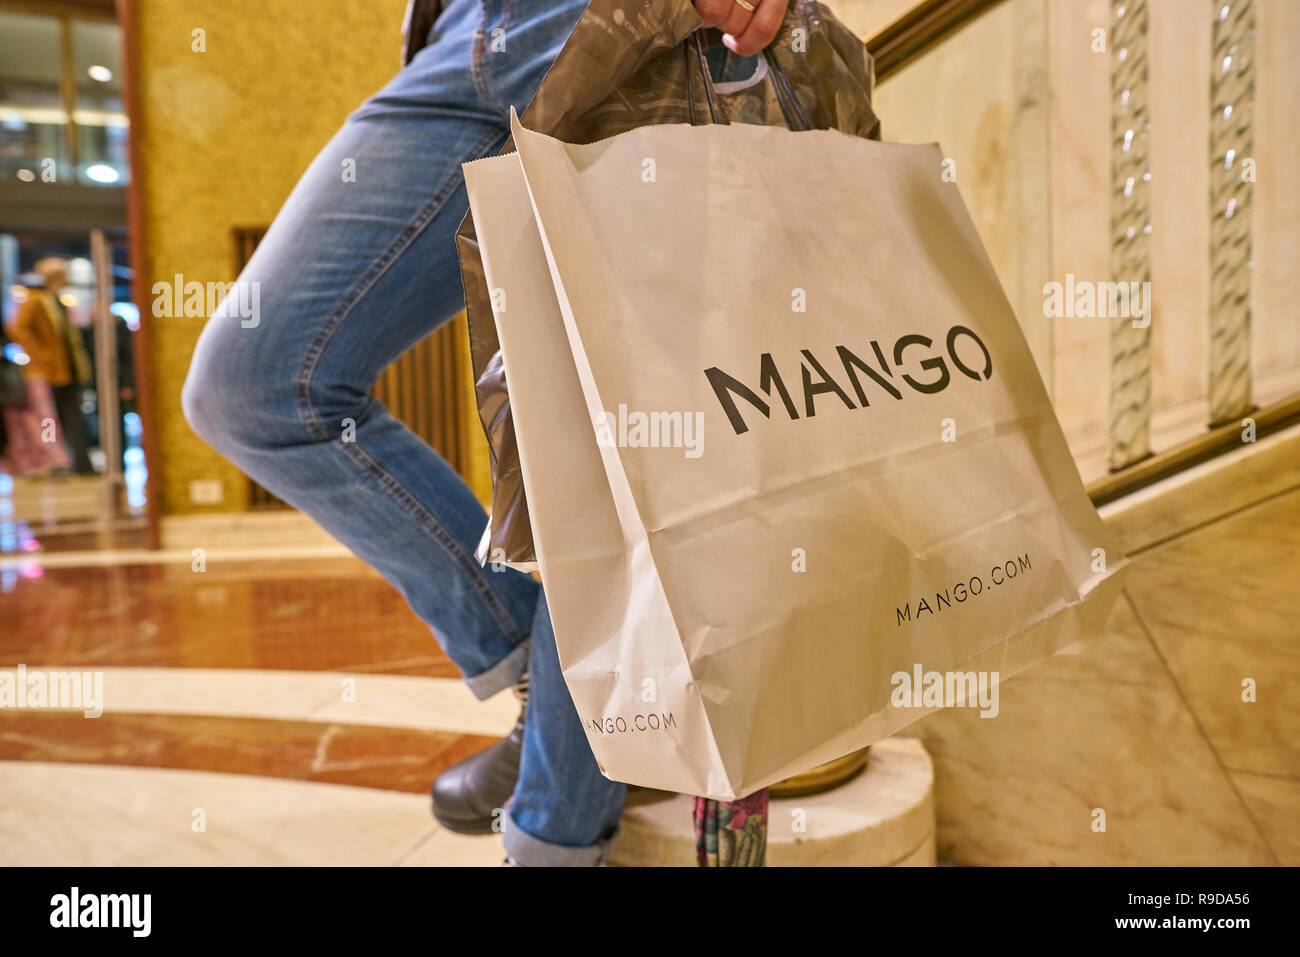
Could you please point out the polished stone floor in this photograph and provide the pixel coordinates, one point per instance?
(279, 710)
(282, 705)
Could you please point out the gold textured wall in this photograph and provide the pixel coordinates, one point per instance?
(478, 474)
(225, 134)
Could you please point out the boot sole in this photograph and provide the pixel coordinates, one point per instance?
(477, 826)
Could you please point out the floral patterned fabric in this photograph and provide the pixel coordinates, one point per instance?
(731, 833)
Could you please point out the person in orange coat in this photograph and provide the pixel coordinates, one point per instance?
(28, 427)
(57, 355)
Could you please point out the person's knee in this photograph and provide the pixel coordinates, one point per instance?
(204, 402)
(244, 394)
(228, 402)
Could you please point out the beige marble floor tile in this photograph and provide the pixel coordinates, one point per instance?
(1104, 728)
(82, 815)
(1222, 606)
(1275, 803)
(444, 848)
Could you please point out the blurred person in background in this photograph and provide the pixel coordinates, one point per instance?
(58, 355)
(28, 439)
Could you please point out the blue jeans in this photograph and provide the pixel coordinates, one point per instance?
(359, 265)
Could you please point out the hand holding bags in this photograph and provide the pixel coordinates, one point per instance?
(782, 441)
(629, 65)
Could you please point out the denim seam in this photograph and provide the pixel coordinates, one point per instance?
(372, 275)
(476, 69)
(430, 524)
(317, 429)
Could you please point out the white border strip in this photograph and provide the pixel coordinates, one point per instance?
(395, 701)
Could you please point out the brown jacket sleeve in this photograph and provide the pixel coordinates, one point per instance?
(34, 331)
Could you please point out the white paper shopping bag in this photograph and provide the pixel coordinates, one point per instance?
(797, 445)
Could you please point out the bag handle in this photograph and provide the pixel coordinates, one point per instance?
(791, 109)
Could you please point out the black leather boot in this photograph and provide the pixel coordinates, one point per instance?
(468, 796)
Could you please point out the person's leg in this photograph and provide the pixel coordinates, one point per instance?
(72, 425)
(359, 265)
(564, 811)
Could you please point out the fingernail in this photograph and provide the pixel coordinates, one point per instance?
(729, 42)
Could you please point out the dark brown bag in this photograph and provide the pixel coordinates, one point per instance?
(630, 65)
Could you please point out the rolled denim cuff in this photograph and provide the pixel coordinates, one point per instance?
(506, 673)
(531, 851)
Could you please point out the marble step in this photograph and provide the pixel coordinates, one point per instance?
(884, 817)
